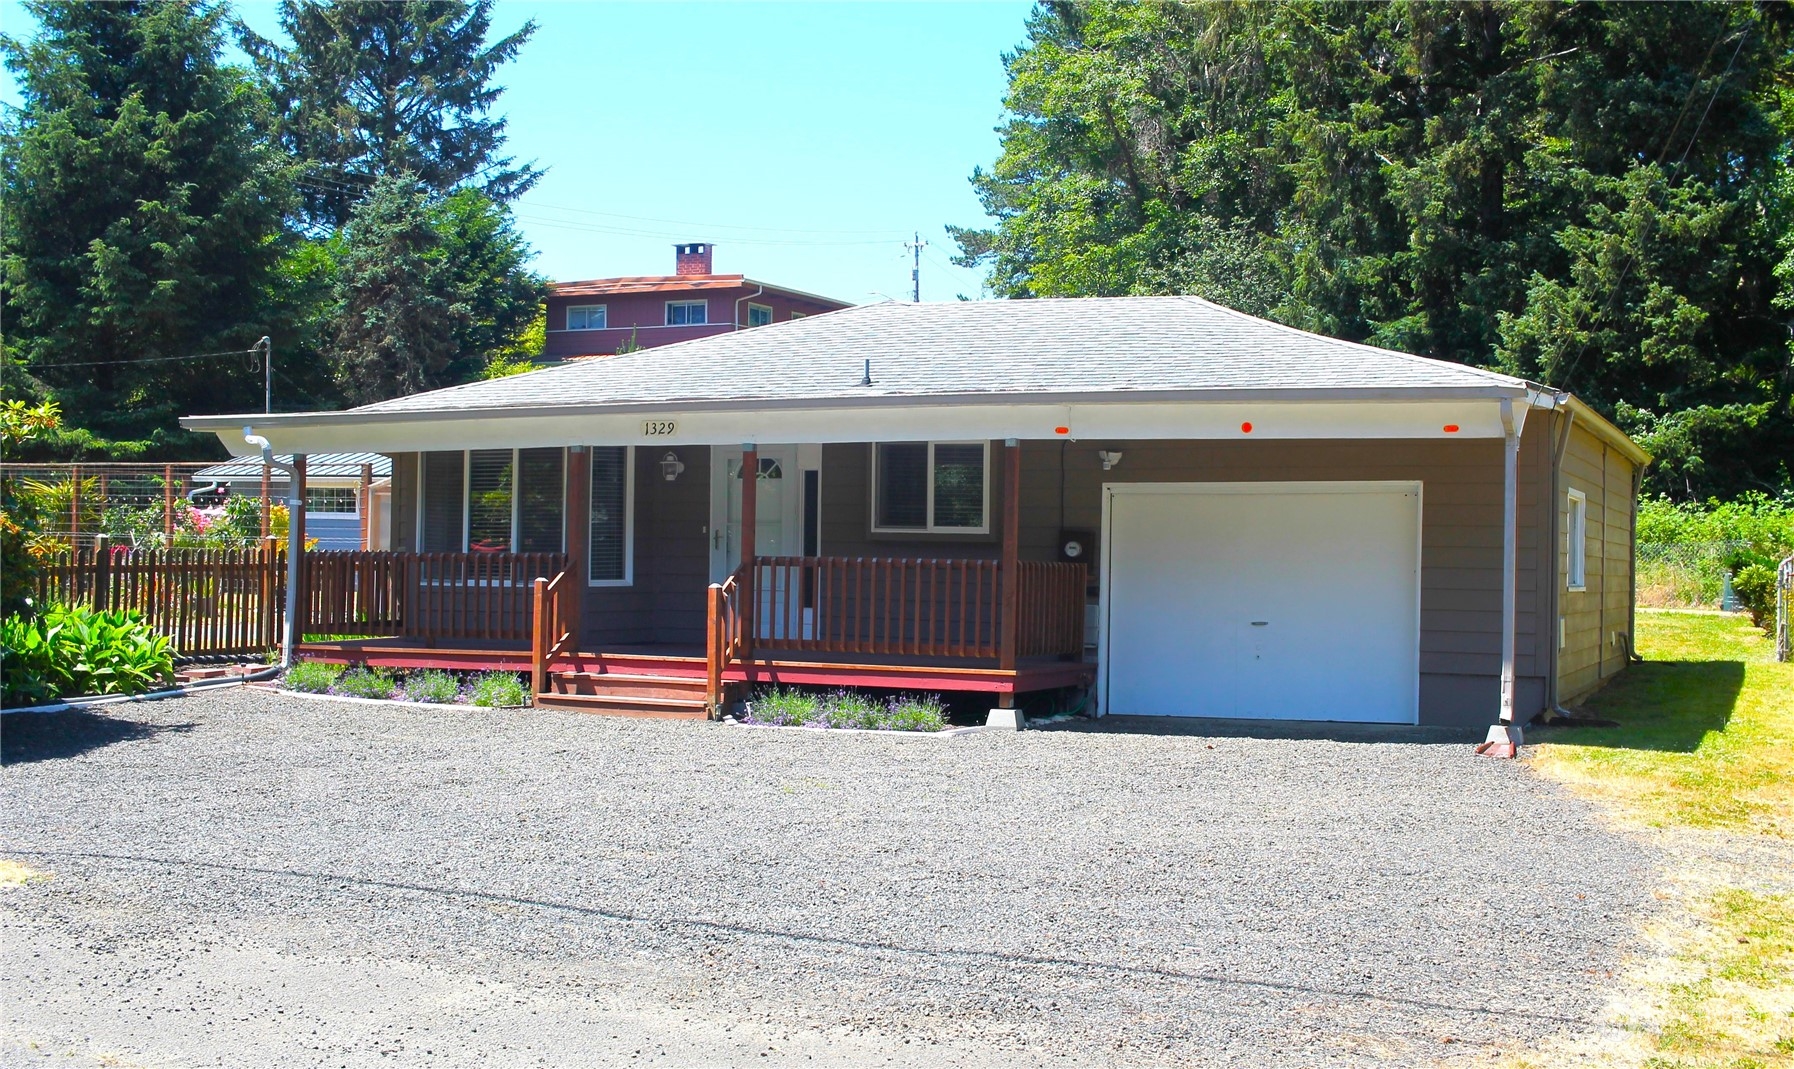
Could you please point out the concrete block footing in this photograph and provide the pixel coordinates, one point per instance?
(1006, 719)
(1503, 741)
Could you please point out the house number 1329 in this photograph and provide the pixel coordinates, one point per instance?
(656, 428)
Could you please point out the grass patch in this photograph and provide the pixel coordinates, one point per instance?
(500, 690)
(432, 685)
(1706, 735)
(783, 707)
(364, 682)
(18, 874)
(312, 677)
(1705, 741)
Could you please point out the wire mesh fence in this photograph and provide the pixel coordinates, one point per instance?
(137, 503)
(1784, 605)
(1683, 575)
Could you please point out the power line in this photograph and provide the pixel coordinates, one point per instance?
(141, 360)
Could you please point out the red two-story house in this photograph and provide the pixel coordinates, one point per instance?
(604, 316)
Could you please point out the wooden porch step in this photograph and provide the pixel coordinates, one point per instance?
(621, 684)
(627, 705)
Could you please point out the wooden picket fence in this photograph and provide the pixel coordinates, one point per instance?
(207, 601)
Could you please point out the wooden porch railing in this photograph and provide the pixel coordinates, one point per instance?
(553, 627)
(469, 596)
(723, 635)
(890, 606)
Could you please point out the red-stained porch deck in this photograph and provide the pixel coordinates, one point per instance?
(808, 668)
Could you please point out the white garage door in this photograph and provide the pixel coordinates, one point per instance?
(1285, 601)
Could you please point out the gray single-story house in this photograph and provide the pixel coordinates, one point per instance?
(348, 496)
(1191, 511)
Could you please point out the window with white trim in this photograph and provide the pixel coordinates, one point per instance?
(612, 521)
(493, 501)
(587, 316)
(1576, 541)
(688, 313)
(931, 487)
(759, 315)
(344, 500)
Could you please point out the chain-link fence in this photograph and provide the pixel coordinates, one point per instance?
(1784, 594)
(1683, 575)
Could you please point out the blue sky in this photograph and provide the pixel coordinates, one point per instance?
(807, 140)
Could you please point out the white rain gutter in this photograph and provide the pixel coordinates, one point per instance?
(746, 297)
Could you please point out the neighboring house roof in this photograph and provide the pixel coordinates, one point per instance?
(1105, 348)
(317, 466)
(602, 287)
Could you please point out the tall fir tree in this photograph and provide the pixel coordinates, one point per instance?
(144, 212)
(1591, 194)
(372, 88)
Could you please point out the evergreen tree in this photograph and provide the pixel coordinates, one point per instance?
(427, 292)
(1595, 195)
(144, 214)
(372, 88)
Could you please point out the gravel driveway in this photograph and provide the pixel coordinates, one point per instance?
(248, 879)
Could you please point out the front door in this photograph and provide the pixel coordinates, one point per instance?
(776, 509)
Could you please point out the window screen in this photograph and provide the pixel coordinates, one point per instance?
(489, 494)
(586, 317)
(442, 502)
(903, 485)
(687, 313)
(610, 513)
(959, 486)
(759, 315)
(539, 501)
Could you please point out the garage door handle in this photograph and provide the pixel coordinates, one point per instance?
(1261, 623)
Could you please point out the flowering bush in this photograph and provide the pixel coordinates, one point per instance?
(781, 707)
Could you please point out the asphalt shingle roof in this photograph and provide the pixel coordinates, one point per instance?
(1004, 350)
(317, 466)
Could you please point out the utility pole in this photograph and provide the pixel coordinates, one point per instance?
(915, 272)
(267, 348)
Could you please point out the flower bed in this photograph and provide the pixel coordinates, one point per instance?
(783, 707)
(489, 689)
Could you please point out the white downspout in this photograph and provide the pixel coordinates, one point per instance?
(1504, 736)
(1552, 708)
(758, 290)
(289, 637)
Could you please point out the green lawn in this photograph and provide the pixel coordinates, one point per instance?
(1705, 743)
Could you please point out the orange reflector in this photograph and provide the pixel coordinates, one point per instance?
(1061, 430)
(1246, 428)
(1451, 428)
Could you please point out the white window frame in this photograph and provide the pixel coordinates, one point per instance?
(603, 310)
(765, 308)
(931, 528)
(797, 315)
(628, 521)
(704, 304)
(1576, 540)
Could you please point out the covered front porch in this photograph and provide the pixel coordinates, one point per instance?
(628, 639)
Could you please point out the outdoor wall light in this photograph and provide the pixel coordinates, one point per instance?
(1109, 457)
(671, 466)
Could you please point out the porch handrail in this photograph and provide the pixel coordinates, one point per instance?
(724, 635)
(1051, 620)
(551, 628)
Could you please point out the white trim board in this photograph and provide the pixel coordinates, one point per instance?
(1209, 420)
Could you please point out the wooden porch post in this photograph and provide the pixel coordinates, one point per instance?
(365, 500)
(578, 521)
(750, 492)
(1012, 588)
(298, 599)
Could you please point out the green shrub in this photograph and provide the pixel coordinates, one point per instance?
(910, 713)
(783, 708)
(70, 651)
(364, 682)
(849, 709)
(1755, 586)
(313, 677)
(780, 707)
(432, 685)
(500, 690)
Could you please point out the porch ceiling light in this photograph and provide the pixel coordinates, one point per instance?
(1109, 457)
(671, 466)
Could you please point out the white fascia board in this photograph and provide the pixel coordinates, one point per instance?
(404, 433)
